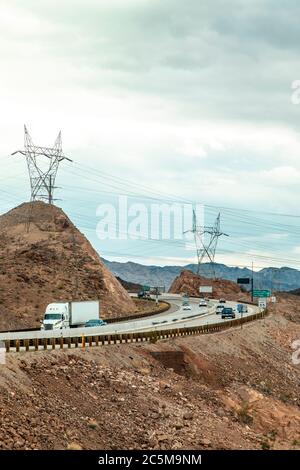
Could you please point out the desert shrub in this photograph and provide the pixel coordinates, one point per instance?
(243, 413)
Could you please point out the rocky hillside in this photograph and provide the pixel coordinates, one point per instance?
(189, 283)
(130, 286)
(295, 292)
(237, 389)
(44, 258)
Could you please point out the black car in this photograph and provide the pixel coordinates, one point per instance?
(228, 312)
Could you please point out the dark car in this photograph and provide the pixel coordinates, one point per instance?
(228, 312)
(144, 295)
(95, 322)
(242, 308)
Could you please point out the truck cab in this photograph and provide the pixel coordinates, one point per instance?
(56, 316)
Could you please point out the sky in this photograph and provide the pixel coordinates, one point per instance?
(194, 102)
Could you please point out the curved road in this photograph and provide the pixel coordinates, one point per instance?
(175, 317)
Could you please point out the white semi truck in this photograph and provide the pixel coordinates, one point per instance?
(69, 314)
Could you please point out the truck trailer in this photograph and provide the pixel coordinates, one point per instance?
(60, 315)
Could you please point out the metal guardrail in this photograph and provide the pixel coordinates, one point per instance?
(36, 344)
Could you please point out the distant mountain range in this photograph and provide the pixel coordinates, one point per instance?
(276, 279)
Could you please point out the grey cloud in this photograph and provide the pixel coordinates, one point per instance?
(232, 59)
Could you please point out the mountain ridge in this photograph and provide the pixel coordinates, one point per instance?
(276, 279)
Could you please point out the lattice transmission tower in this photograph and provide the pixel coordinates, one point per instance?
(206, 240)
(42, 164)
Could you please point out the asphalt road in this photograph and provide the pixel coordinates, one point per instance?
(175, 317)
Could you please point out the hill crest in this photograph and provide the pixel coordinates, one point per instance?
(45, 258)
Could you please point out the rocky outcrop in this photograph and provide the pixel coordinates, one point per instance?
(44, 258)
(189, 283)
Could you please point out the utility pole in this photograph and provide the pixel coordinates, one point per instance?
(204, 249)
(252, 288)
(42, 164)
(156, 295)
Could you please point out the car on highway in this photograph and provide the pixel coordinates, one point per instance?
(228, 312)
(144, 295)
(202, 303)
(219, 309)
(222, 301)
(186, 306)
(241, 308)
(95, 322)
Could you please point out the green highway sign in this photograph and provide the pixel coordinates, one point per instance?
(146, 288)
(243, 280)
(261, 293)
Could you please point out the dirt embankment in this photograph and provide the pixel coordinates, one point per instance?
(44, 258)
(190, 283)
(231, 390)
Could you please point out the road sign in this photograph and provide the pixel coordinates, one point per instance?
(262, 303)
(243, 280)
(206, 289)
(273, 299)
(261, 293)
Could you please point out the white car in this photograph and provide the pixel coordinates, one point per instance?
(186, 307)
(203, 303)
(219, 309)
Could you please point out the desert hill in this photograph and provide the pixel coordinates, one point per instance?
(189, 283)
(44, 258)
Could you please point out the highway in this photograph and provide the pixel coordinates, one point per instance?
(175, 317)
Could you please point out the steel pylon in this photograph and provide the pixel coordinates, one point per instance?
(206, 240)
(42, 174)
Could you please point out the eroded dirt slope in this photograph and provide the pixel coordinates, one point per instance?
(231, 390)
